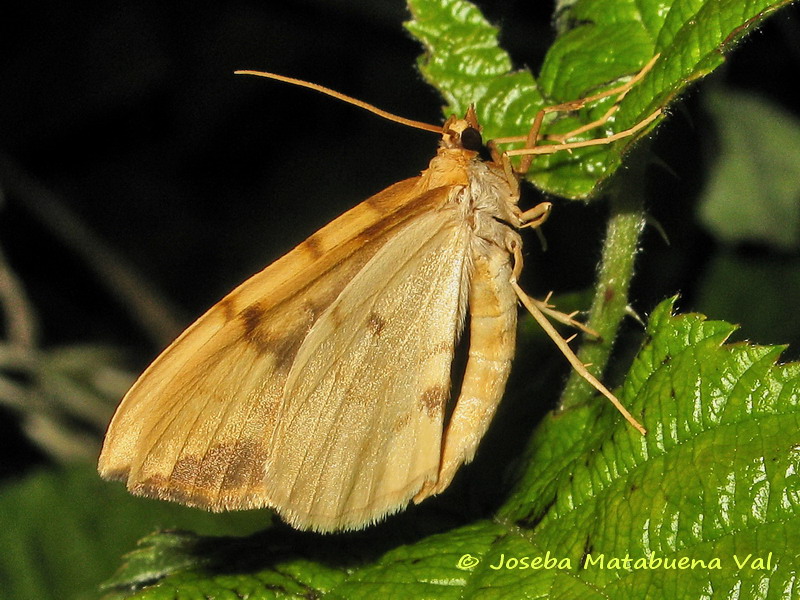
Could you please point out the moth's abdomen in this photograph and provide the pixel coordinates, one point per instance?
(493, 326)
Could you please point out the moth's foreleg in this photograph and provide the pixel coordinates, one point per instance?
(536, 216)
(531, 141)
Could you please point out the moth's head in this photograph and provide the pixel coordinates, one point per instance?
(463, 133)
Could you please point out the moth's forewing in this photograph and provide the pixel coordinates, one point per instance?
(196, 426)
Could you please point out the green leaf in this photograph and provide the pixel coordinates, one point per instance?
(63, 533)
(754, 185)
(604, 511)
(715, 477)
(611, 39)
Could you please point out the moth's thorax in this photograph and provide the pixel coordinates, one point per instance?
(490, 203)
(480, 192)
(490, 193)
(450, 167)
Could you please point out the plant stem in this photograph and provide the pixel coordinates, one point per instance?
(614, 276)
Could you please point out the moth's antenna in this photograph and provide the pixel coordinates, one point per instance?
(345, 98)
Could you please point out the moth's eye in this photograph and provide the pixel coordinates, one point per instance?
(471, 139)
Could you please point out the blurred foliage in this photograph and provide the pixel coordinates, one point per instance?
(754, 183)
(63, 532)
(64, 396)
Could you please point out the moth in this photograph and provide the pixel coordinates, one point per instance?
(319, 387)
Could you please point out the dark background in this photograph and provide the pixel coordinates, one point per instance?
(129, 114)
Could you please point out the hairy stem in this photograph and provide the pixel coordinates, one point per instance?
(614, 277)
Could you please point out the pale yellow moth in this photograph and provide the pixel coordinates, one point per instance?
(318, 386)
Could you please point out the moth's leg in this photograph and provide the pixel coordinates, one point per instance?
(536, 216)
(529, 153)
(562, 344)
(493, 328)
(565, 318)
(532, 139)
(508, 171)
(620, 92)
(533, 217)
(496, 153)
